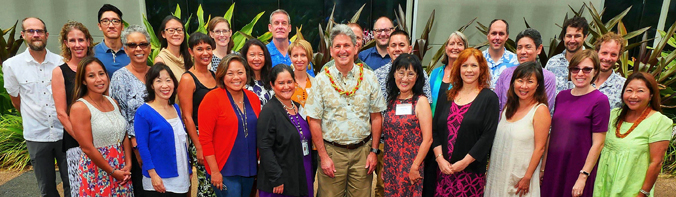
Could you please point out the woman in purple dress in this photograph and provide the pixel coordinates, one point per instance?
(579, 126)
(284, 141)
(464, 128)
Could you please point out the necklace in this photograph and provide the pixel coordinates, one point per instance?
(340, 90)
(641, 118)
(242, 117)
(295, 120)
(107, 117)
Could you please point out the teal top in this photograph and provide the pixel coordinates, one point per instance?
(436, 78)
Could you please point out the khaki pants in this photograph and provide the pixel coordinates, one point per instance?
(380, 190)
(351, 176)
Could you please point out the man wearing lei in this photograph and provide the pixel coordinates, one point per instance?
(345, 121)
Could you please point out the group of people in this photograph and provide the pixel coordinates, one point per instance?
(260, 121)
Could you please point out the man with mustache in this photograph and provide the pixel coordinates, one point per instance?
(377, 56)
(496, 55)
(28, 78)
(573, 35)
(280, 27)
(110, 50)
(610, 47)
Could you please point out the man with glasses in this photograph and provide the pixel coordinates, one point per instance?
(280, 26)
(377, 56)
(110, 50)
(27, 78)
(497, 57)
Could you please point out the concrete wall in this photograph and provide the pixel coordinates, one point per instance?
(55, 13)
(542, 15)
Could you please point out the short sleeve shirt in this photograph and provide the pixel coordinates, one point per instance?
(559, 66)
(278, 58)
(612, 88)
(382, 72)
(345, 119)
(507, 60)
(129, 92)
(373, 58)
(112, 60)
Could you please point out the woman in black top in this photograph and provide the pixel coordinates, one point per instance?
(194, 84)
(76, 43)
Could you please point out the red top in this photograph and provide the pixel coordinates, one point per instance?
(217, 120)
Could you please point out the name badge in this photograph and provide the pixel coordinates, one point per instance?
(306, 148)
(403, 109)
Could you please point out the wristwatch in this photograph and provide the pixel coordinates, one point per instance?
(375, 150)
(585, 173)
(644, 192)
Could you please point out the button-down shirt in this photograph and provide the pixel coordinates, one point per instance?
(502, 86)
(278, 58)
(612, 88)
(357, 61)
(373, 58)
(383, 71)
(345, 119)
(26, 78)
(112, 60)
(559, 66)
(507, 60)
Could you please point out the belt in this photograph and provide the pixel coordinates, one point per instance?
(350, 146)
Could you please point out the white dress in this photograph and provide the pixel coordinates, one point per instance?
(513, 148)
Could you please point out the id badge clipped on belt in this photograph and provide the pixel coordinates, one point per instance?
(306, 147)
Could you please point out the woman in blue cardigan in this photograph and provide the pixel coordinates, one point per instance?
(161, 136)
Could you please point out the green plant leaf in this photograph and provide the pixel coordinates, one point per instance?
(613, 21)
(462, 28)
(355, 18)
(662, 44)
(633, 34)
(200, 16)
(598, 23)
(621, 30)
(298, 34)
(437, 56)
(265, 37)
(238, 38)
(177, 13)
(228, 14)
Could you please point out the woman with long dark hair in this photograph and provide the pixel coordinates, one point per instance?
(465, 127)
(174, 51)
(105, 166)
(259, 63)
(631, 159)
(521, 136)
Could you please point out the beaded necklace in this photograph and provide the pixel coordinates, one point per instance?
(640, 119)
(242, 117)
(293, 118)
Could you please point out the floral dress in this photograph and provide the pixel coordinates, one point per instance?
(108, 131)
(402, 142)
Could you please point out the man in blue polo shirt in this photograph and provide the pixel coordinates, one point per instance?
(280, 26)
(377, 56)
(110, 50)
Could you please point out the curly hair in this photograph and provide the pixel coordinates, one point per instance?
(63, 38)
(456, 79)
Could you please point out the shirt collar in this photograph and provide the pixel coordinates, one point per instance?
(273, 48)
(106, 49)
(48, 57)
(335, 72)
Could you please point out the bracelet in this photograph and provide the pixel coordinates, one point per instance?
(440, 154)
(112, 172)
(644, 192)
(584, 172)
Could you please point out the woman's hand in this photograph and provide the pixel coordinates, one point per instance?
(459, 166)
(522, 186)
(578, 188)
(157, 184)
(444, 166)
(414, 174)
(279, 189)
(120, 175)
(199, 155)
(217, 180)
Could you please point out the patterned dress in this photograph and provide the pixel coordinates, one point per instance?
(108, 130)
(402, 142)
(264, 95)
(461, 183)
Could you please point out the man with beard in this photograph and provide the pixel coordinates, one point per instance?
(28, 78)
(496, 55)
(528, 47)
(110, 50)
(280, 26)
(573, 34)
(359, 33)
(343, 112)
(609, 47)
(377, 56)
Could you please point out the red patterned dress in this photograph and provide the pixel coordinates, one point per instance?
(402, 141)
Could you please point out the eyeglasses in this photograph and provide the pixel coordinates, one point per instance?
(402, 75)
(384, 30)
(106, 21)
(576, 70)
(221, 32)
(35, 31)
(173, 30)
(143, 45)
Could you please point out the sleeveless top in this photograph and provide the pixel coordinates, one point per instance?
(198, 95)
(108, 128)
(176, 64)
(68, 81)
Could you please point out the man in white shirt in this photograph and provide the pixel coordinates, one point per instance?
(27, 79)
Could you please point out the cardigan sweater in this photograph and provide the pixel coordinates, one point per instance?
(218, 124)
(155, 138)
(476, 132)
(281, 151)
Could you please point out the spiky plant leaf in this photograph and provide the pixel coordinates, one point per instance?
(228, 14)
(355, 17)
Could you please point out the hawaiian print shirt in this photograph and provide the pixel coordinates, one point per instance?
(612, 88)
(345, 119)
(264, 95)
(507, 60)
(384, 70)
(559, 66)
